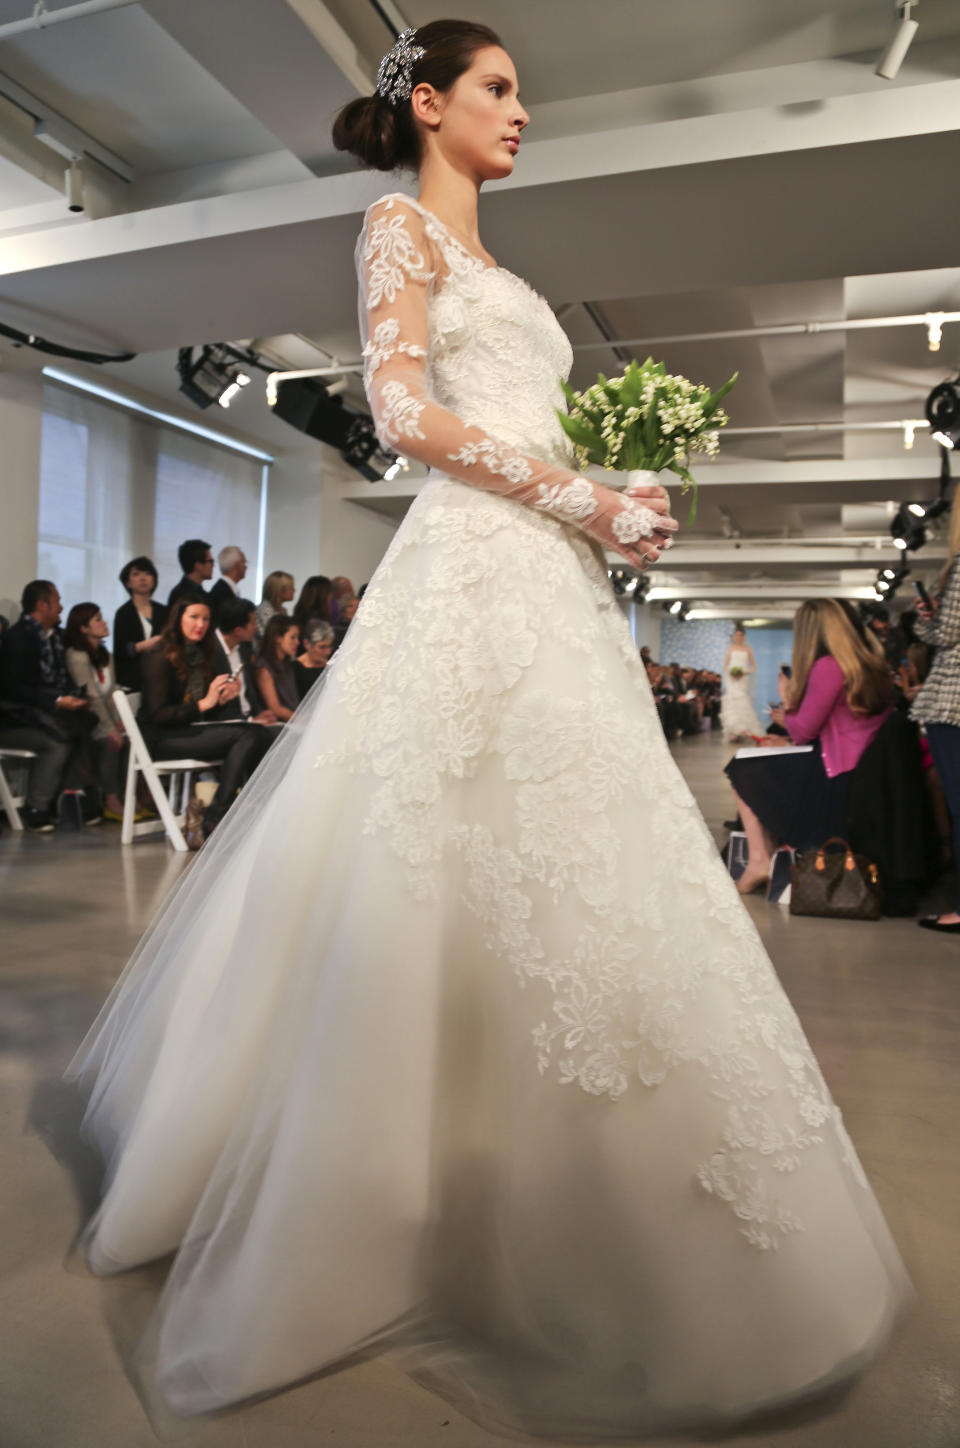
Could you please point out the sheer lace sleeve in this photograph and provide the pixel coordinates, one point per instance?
(398, 266)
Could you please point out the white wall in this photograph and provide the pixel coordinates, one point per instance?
(21, 415)
(312, 528)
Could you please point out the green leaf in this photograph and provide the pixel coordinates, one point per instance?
(578, 430)
(717, 397)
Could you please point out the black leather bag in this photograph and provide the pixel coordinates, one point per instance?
(839, 886)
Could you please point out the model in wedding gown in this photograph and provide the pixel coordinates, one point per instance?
(739, 714)
(456, 1039)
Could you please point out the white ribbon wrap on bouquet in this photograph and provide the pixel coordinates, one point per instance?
(636, 478)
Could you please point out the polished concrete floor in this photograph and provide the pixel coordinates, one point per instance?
(881, 1004)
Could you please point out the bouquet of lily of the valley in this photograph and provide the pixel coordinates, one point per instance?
(647, 419)
(736, 672)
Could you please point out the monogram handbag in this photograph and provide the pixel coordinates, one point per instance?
(841, 886)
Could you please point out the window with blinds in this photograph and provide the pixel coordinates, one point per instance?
(114, 484)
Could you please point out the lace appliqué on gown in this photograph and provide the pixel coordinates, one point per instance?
(441, 692)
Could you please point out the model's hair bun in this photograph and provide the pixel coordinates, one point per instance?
(385, 136)
(370, 129)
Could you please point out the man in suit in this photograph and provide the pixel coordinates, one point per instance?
(233, 567)
(196, 560)
(234, 656)
(39, 710)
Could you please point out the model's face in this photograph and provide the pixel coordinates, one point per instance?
(141, 582)
(477, 123)
(194, 622)
(738, 636)
(97, 629)
(289, 645)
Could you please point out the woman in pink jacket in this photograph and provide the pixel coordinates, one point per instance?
(837, 699)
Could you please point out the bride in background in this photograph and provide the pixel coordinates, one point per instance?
(457, 1039)
(739, 667)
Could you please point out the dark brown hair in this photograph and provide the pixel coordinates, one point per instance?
(174, 642)
(74, 638)
(385, 136)
(268, 656)
(143, 564)
(314, 600)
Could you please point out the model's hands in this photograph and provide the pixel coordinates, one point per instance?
(625, 524)
(266, 716)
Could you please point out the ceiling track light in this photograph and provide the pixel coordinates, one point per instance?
(889, 64)
(216, 375)
(935, 321)
(943, 413)
(74, 186)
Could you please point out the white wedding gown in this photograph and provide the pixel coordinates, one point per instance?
(738, 712)
(456, 1039)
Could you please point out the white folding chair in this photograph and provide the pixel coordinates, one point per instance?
(9, 802)
(172, 805)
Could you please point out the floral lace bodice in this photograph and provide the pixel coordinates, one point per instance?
(462, 365)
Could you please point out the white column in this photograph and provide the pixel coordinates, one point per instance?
(21, 416)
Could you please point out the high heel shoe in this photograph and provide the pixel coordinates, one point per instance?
(750, 884)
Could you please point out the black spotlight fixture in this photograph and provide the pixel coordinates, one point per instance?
(628, 583)
(307, 404)
(890, 579)
(907, 529)
(943, 413)
(676, 608)
(216, 374)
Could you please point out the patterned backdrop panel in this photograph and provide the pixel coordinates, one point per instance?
(702, 643)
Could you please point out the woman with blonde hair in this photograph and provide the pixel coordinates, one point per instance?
(837, 698)
(937, 706)
(278, 590)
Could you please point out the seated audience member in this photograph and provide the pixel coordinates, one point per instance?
(40, 710)
(234, 656)
(346, 612)
(232, 562)
(196, 560)
(838, 698)
(91, 669)
(341, 588)
(278, 591)
(314, 601)
(181, 693)
(138, 623)
(317, 642)
(275, 677)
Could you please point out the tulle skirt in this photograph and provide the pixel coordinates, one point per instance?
(738, 711)
(457, 1040)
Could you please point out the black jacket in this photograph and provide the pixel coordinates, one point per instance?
(186, 588)
(220, 593)
(127, 633)
(221, 665)
(889, 814)
(21, 681)
(162, 707)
